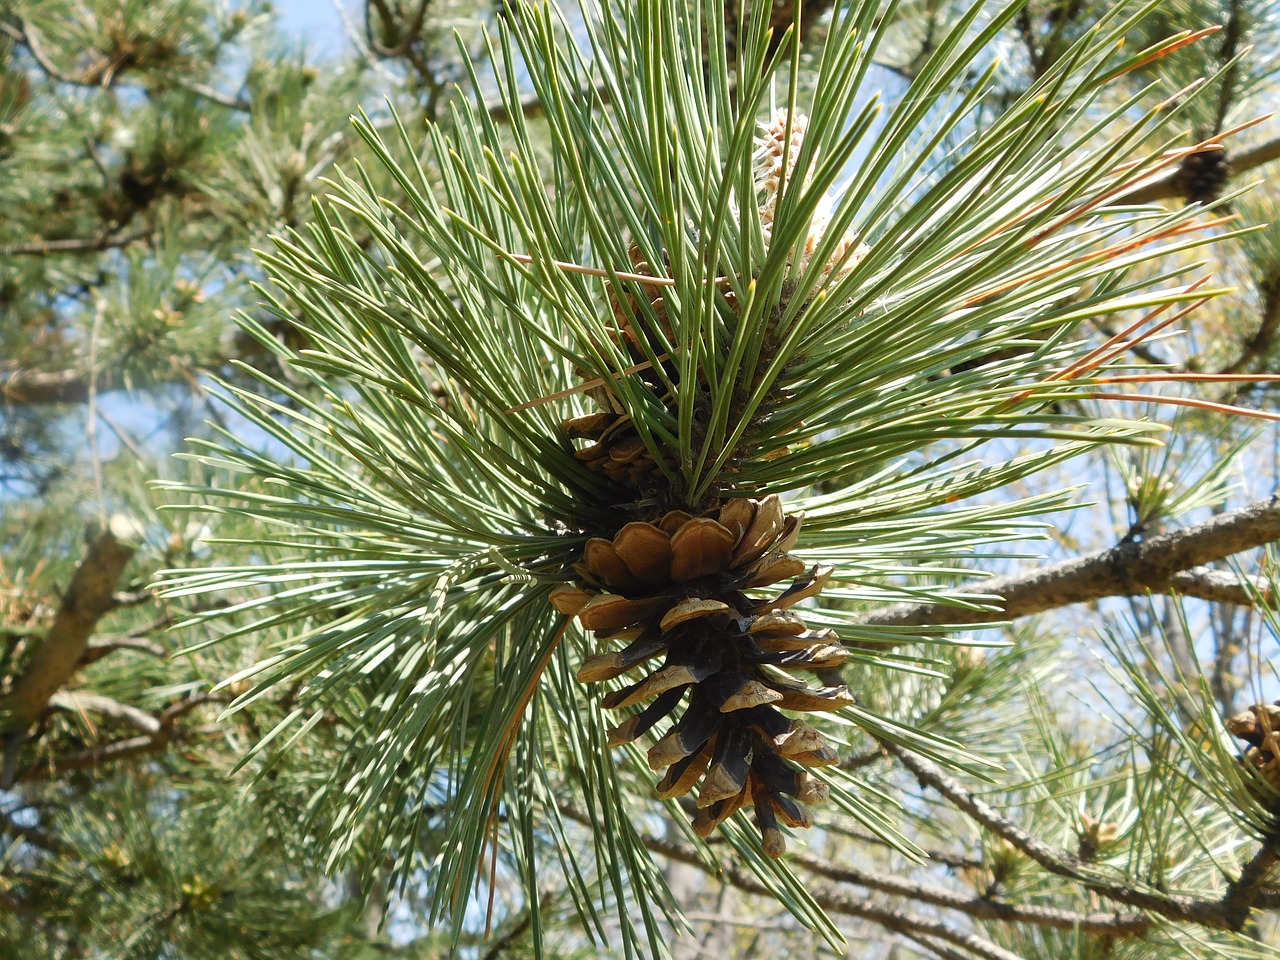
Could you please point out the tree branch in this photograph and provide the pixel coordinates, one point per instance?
(1242, 893)
(1172, 183)
(891, 918)
(33, 836)
(899, 921)
(1160, 564)
(166, 732)
(40, 386)
(1262, 340)
(96, 651)
(101, 74)
(44, 248)
(80, 701)
(1230, 913)
(1218, 586)
(89, 597)
(984, 908)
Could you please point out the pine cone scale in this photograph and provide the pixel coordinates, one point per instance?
(675, 585)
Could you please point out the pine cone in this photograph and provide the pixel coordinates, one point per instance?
(1259, 726)
(676, 588)
(1203, 176)
(618, 450)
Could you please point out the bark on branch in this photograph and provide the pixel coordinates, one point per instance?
(51, 386)
(164, 731)
(90, 595)
(1230, 913)
(1161, 564)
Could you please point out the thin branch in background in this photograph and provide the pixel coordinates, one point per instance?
(1230, 913)
(167, 733)
(943, 858)
(102, 74)
(84, 703)
(97, 650)
(91, 418)
(111, 240)
(984, 908)
(1218, 586)
(511, 937)
(33, 836)
(893, 919)
(1172, 183)
(939, 949)
(1242, 893)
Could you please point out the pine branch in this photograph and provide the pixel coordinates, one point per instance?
(984, 908)
(510, 938)
(1218, 586)
(1230, 913)
(941, 950)
(90, 596)
(79, 701)
(21, 387)
(941, 857)
(96, 651)
(1166, 563)
(102, 73)
(891, 918)
(896, 920)
(110, 240)
(1261, 342)
(1242, 893)
(167, 731)
(33, 836)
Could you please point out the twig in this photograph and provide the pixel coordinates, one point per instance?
(1226, 914)
(102, 74)
(131, 598)
(1170, 183)
(1124, 570)
(941, 857)
(118, 750)
(510, 937)
(96, 651)
(1218, 586)
(891, 918)
(33, 836)
(39, 386)
(1114, 924)
(44, 248)
(1258, 345)
(1242, 892)
(79, 701)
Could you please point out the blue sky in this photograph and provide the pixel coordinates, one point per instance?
(316, 21)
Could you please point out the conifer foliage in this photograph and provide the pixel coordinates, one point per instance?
(603, 524)
(659, 406)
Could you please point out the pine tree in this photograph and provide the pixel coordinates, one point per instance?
(612, 469)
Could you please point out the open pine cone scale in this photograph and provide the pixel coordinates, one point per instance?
(677, 588)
